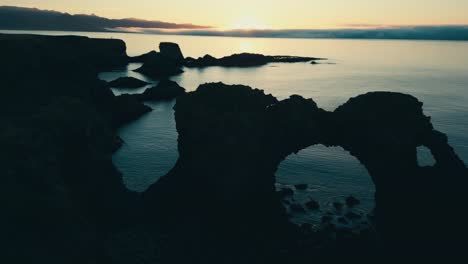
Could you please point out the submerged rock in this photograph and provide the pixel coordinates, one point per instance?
(285, 192)
(312, 205)
(352, 215)
(297, 208)
(342, 220)
(301, 187)
(352, 201)
(326, 219)
(127, 82)
(338, 206)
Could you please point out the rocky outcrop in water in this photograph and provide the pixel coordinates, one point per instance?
(170, 59)
(243, 60)
(232, 139)
(162, 64)
(172, 51)
(127, 82)
(128, 108)
(144, 57)
(165, 90)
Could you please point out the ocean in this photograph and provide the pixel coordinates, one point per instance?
(436, 72)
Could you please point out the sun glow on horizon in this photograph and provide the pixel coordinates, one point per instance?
(247, 23)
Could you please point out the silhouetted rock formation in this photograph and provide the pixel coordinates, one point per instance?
(159, 66)
(167, 62)
(97, 53)
(165, 90)
(171, 50)
(242, 60)
(63, 201)
(128, 108)
(127, 82)
(232, 139)
(144, 57)
(61, 196)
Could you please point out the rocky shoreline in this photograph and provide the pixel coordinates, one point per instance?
(64, 201)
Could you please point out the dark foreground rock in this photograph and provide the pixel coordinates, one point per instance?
(128, 108)
(63, 201)
(127, 82)
(243, 60)
(97, 53)
(61, 196)
(233, 138)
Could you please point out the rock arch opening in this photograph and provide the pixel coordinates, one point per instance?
(320, 181)
(425, 157)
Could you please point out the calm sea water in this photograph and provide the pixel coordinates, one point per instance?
(436, 72)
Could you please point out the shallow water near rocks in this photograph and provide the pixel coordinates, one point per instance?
(436, 72)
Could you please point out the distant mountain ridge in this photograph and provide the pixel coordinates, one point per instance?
(21, 18)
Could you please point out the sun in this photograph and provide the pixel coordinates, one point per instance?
(248, 23)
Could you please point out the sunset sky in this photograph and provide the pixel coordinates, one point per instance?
(270, 14)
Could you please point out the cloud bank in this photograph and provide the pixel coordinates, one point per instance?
(20, 18)
(458, 33)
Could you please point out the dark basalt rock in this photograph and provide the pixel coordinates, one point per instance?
(338, 206)
(61, 196)
(301, 186)
(342, 220)
(97, 53)
(128, 108)
(242, 60)
(167, 62)
(172, 51)
(233, 138)
(312, 205)
(285, 192)
(127, 82)
(159, 66)
(165, 90)
(297, 208)
(352, 216)
(63, 201)
(352, 201)
(144, 57)
(326, 219)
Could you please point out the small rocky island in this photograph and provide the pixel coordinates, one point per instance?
(170, 60)
(127, 82)
(63, 200)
